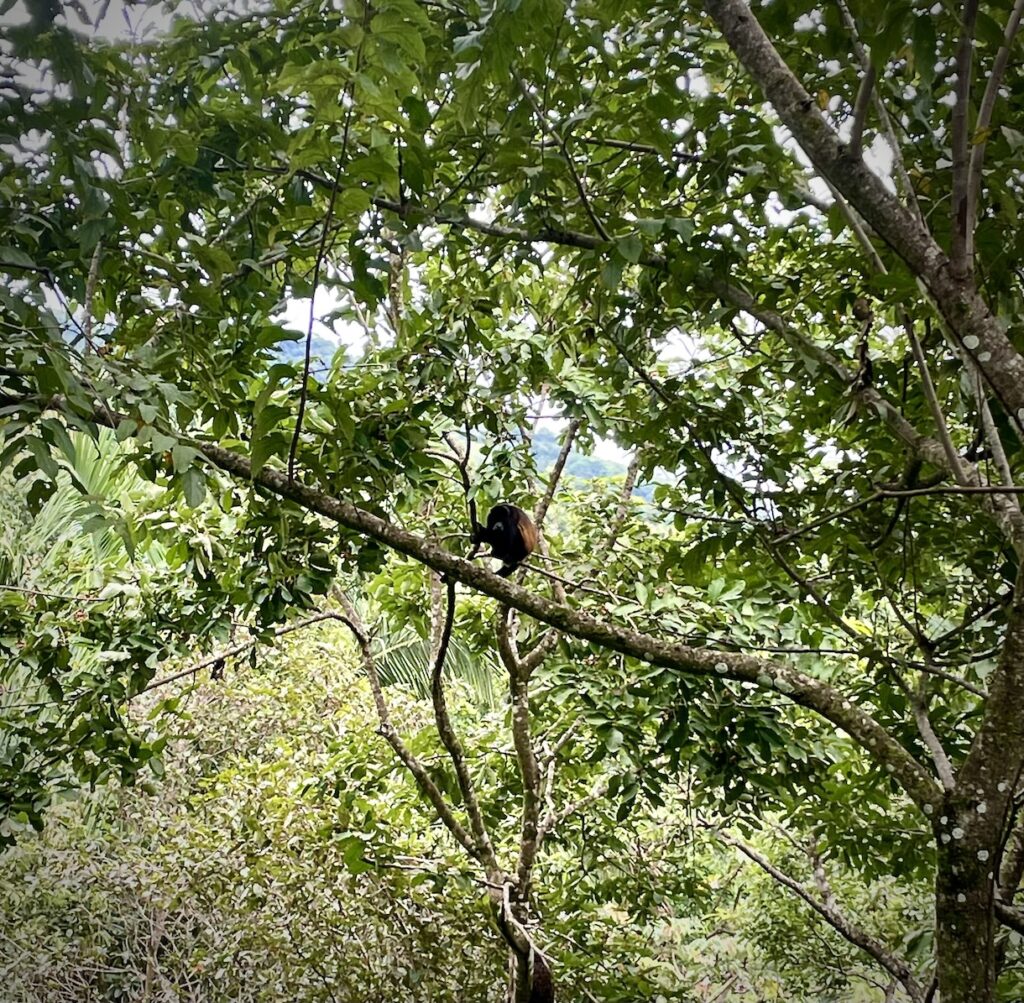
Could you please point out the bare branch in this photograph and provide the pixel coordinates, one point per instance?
(932, 670)
(1010, 916)
(554, 817)
(960, 139)
(943, 767)
(452, 742)
(860, 111)
(988, 426)
(529, 771)
(895, 966)
(952, 457)
(981, 127)
(622, 510)
(765, 673)
(541, 511)
(387, 731)
(233, 652)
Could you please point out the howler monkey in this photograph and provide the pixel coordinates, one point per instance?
(511, 534)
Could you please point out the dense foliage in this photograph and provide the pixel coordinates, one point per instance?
(283, 856)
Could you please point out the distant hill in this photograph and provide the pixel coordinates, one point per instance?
(546, 448)
(321, 351)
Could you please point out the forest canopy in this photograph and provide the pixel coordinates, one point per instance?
(293, 293)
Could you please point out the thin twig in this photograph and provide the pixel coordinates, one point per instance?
(988, 426)
(952, 457)
(894, 965)
(90, 292)
(622, 509)
(70, 597)
(232, 652)
(321, 252)
(576, 176)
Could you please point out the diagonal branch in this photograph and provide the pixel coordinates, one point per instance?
(846, 928)
(882, 112)
(771, 674)
(541, 511)
(387, 731)
(234, 651)
(1006, 514)
(622, 509)
(549, 638)
(981, 127)
(973, 324)
(952, 458)
(1010, 916)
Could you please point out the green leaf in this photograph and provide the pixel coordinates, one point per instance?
(14, 256)
(193, 483)
(630, 248)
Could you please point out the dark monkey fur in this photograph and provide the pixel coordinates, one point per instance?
(511, 534)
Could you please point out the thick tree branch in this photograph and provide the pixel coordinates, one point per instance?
(996, 757)
(529, 771)
(764, 673)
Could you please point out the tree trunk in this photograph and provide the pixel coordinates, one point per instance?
(965, 923)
